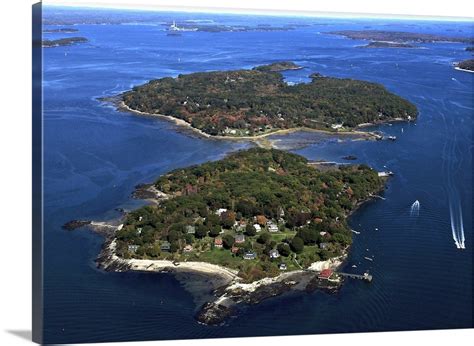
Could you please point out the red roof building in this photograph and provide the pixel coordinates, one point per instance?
(325, 274)
(218, 242)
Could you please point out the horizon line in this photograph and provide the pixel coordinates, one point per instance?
(261, 12)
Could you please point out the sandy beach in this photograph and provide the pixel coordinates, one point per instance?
(462, 69)
(145, 265)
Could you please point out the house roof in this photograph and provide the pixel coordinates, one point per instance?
(325, 273)
(218, 241)
(239, 237)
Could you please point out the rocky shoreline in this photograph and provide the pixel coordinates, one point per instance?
(224, 292)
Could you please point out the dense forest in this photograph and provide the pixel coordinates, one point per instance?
(466, 65)
(251, 211)
(398, 36)
(252, 102)
(63, 41)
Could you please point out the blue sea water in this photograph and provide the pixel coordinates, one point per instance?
(95, 155)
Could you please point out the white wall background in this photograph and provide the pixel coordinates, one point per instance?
(15, 176)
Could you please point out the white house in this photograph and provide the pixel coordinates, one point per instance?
(273, 254)
(272, 227)
(220, 211)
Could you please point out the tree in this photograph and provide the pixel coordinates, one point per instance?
(264, 238)
(174, 246)
(228, 219)
(201, 231)
(250, 230)
(228, 241)
(261, 220)
(297, 244)
(215, 231)
(284, 249)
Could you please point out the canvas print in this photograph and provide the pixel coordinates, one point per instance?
(211, 174)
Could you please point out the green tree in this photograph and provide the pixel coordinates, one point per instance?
(228, 241)
(284, 249)
(215, 231)
(297, 244)
(201, 231)
(264, 238)
(250, 230)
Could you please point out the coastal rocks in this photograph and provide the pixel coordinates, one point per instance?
(108, 261)
(350, 157)
(148, 192)
(74, 224)
(212, 313)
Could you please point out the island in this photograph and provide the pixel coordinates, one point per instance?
(61, 30)
(215, 28)
(384, 44)
(257, 102)
(466, 65)
(279, 67)
(263, 220)
(469, 49)
(398, 36)
(63, 42)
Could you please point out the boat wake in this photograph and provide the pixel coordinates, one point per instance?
(457, 227)
(415, 209)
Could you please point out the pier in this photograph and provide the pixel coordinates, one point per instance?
(366, 276)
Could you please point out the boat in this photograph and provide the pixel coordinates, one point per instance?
(392, 138)
(385, 174)
(369, 259)
(353, 231)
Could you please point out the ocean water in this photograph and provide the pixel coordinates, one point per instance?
(95, 155)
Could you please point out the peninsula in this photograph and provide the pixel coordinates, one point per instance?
(61, 30)
(383, 44)
(251, 103)
(398, 36)
(466, 65)
(63, 42)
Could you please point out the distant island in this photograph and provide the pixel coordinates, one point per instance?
(61, 30)
(383, 44)
(470, 49)
(398, 36)
(466, 65)
(279, 67)
(258, 102)
(63, 42)
(211, 27)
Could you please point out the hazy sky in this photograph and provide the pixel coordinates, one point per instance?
(343, 8)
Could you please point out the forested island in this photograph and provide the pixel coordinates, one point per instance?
(249, 103)
(61, 30)
(398, 36)
(258, 212)
(63, 42)
(382, 44)
(466, 65)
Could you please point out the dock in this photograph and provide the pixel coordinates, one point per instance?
(366, 276)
